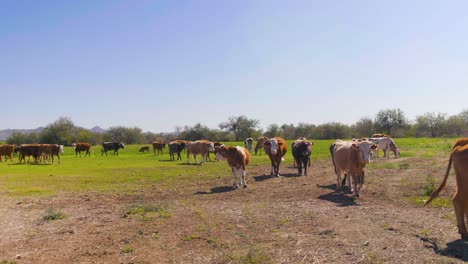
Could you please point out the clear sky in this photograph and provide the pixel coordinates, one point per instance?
(161, 64)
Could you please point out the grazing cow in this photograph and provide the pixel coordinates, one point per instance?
(275, 148)
(7, 151)
(237, 158)
(351, 158)
(200, 147)
(176, 147)
(259, 145)
(115, 146)
(459, 158)
(143, 149)
(82, 146)
(158, 147)
(301, 151)
(248, 143)
(385, 144)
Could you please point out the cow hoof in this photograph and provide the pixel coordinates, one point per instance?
(245, 185)
(235, 186)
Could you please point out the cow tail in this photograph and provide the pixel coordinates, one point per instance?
(442, 185)
(332, 151)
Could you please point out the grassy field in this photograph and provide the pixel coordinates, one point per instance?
(141, 208)
(132, 171)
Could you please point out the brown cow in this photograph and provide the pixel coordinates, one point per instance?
(259, 145)
(28, 150)
(50, 150)
(351, 158)
(275, 148)
(7, 151)
(82, 146)
(237, 158)
(200, 147)
(459, 157)
(158, 147)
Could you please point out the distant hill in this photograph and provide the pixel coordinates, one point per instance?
(5, 133)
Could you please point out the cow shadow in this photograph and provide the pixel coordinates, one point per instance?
(263, 177)
(338, 198)
(456, 249)
(220, 189)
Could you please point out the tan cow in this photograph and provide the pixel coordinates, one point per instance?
(237, 158)
(275, 148)
(7, 151)
(200, 147)
(459, 157)
(259, 145)
(350, 158)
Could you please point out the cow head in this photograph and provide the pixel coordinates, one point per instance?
(221, 152)
(61, 149)
(365, 147)
(273, 144)
(212, 148)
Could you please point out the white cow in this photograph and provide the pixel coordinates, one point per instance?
(385, 144)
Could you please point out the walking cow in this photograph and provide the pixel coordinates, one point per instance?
(115, 146)
(275, 148)
(301, 150)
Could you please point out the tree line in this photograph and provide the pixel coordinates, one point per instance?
(389, 121)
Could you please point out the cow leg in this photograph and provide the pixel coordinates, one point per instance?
(195, 157)
(459, 205)
(338, 179)
(305, 167)
(234, 174)
(356, 191)
(243, 181)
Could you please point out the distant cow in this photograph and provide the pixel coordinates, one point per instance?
(7, 151)
(351, 158)
(158, 147)
(28, 150)
(275, 148)
(248, 143)
(459, 157)
(115, 146)
(143, 149)
(39, 150)
(259, 145)
(379, 135)
(301, 151)
(175, 147)
(82, 146)
(385, 144)
(200, 147)
(237, 158)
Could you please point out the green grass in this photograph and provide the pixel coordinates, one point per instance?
(132, 171)
(51, 215)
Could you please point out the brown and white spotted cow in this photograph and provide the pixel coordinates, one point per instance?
(275, 148)
(7, 151)
(200, 147)
(237, 158)
(459, 158)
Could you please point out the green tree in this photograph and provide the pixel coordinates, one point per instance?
(389, 119)
(363, 128)
(58, 132)
(22, 138)
(430, 124)
(241, 126)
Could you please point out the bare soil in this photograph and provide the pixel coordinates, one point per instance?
(288, 219)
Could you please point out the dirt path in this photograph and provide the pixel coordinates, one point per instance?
(288, 219)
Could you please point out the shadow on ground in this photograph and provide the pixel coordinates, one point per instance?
(220, 189)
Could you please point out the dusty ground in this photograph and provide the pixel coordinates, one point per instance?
(275, 220)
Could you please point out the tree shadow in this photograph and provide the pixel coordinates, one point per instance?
(338, 198)
(220, 189)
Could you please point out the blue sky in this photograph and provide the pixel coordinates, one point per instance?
(161, 64)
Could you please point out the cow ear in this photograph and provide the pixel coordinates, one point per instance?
(355, 146)
(309, 144)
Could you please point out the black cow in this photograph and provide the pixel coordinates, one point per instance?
(301, 150)
(176, 147)
(115, 146)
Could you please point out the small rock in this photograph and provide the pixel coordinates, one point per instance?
(366, 243)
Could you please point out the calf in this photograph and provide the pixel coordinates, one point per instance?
(385, 144)
(115, 146)
(237, 158)
(50, 150)
(459, 158)
(143, 149)
(82, 146)
(275, 148)
(351, 158)
(301, 151)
